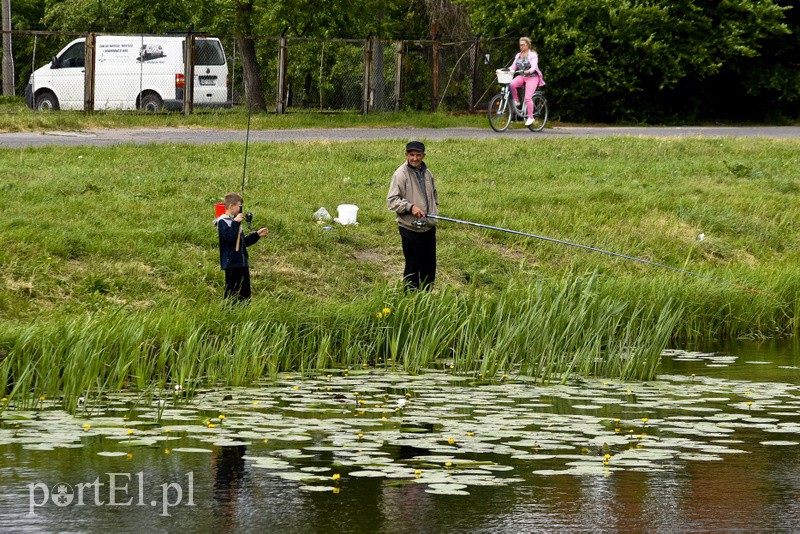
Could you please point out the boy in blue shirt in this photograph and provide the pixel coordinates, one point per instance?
(233, 248)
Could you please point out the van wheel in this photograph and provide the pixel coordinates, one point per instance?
(46, 102)
(151, 102)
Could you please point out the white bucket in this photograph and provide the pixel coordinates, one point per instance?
(347, 213)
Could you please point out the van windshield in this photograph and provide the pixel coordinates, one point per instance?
(208, 52)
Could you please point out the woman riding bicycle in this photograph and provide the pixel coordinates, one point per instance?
(527, 62)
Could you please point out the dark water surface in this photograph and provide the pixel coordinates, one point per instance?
(713, 445)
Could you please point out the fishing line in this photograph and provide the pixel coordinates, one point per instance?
(594, 249)
(246, 142)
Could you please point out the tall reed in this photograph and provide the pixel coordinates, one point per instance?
(548, 329)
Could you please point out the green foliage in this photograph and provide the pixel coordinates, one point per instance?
(657, 60)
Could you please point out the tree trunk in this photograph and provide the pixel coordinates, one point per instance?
(8, 58)
(254, 89)
(378, 77)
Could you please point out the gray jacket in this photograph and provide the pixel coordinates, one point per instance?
(405, 191)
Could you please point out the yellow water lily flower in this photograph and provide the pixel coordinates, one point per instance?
(451, 441)
(448, 464)
(130, 431)
(336, 476)
(167, 451)
(86, 426)
(220, 417)
(336, 489)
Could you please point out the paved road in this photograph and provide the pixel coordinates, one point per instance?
(198, 136)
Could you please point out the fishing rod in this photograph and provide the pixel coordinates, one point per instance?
(249, 215)
(593, 249)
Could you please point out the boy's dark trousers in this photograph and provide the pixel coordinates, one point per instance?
(419, 249)
(237, 283)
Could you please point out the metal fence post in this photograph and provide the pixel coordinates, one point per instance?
(88, 73)
(282, 64)
(365, 99)
(398, 69)
(188, 75)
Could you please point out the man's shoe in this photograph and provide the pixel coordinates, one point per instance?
(529, 122)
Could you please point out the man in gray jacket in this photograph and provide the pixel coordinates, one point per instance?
(412, 195)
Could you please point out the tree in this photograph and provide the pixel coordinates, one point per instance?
(651, 59)
(252, 71)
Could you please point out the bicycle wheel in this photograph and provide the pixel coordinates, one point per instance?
(539, 113)
(499, 113)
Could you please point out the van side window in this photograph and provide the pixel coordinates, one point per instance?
(75, 56)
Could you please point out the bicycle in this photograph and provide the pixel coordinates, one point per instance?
(502, 110)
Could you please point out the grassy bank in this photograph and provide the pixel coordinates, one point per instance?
(15, 117)
(111, 278)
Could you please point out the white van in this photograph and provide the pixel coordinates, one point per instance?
(131, 72)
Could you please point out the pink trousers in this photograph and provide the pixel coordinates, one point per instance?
(530, 87)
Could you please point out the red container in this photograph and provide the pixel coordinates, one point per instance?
(220, 208)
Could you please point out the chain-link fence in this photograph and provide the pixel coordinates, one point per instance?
(93, 72)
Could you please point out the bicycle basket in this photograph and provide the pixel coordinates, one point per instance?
(504, 76)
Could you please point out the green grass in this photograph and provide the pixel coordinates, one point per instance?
(111, 279)
(16, 117)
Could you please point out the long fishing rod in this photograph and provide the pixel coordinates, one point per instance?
(594, 249)
(249, 216)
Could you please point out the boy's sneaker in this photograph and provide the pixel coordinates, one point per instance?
(529, 122)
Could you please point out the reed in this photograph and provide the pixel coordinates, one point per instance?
(552, 331)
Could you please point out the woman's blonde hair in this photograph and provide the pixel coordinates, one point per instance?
(527, 41)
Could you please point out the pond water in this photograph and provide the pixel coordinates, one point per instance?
(712, 445)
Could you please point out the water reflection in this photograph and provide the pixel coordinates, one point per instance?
(229, 473)
(536, 455)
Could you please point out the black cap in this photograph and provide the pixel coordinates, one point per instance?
(415, 145)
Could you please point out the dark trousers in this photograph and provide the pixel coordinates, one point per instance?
(419, 249)
(237, 283)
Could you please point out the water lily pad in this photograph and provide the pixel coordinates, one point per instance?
(192, 450)
(317, 488)
(112, 453)
(367, 474)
